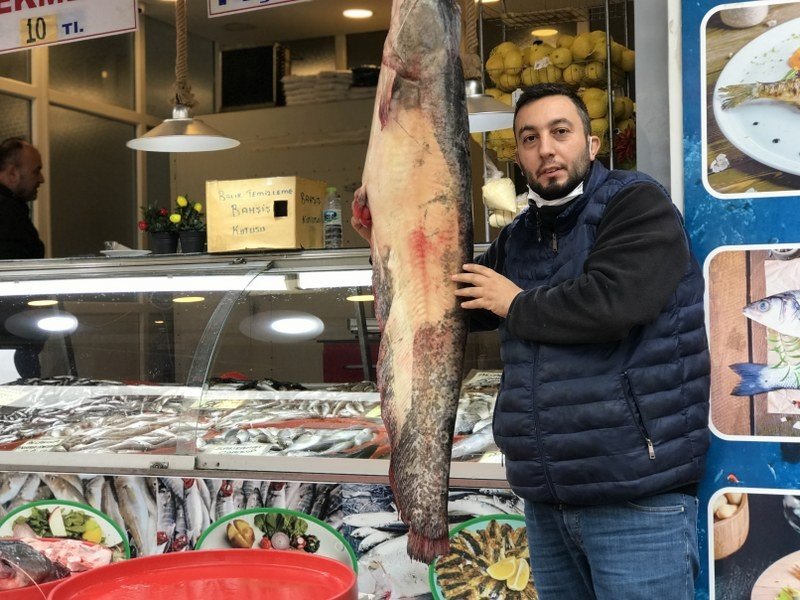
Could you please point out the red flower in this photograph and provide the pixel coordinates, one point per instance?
(163, 212)
(143, 225)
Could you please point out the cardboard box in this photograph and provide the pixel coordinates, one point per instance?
(267, 213)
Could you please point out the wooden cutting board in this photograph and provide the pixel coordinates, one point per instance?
(777, 576)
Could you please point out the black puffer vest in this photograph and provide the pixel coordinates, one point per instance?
(606, 422)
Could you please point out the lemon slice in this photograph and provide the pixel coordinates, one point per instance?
(522, 575)
(503, 569)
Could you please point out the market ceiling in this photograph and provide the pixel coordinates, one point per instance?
(303, 20)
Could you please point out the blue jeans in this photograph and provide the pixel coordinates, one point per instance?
(628, 551)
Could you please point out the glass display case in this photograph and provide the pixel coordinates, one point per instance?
(207, 364)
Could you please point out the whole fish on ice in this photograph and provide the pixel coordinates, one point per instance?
(416, 190)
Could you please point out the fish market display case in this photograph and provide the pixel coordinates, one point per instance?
(198, 365)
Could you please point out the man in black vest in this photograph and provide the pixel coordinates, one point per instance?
(603, 411)
(20, 178)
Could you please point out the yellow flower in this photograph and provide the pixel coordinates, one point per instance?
(198, 207)
(182, 201)
(175, 218)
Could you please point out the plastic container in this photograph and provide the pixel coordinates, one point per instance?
(30, 592)
(332, 219)
(215, 575)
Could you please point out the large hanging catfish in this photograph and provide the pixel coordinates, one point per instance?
(417, 185)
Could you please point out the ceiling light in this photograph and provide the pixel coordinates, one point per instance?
(188, 299)
(181, 133)
(58, 323)
(357, 13)
(159, 322)
(282, 326)
(362, 298)
(486, 113)
(42, 302)
(546, 32)
(486, 1)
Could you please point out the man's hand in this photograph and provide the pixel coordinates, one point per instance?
(361, 219)
(486, 288)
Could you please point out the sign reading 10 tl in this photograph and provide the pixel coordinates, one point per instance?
(26, 23)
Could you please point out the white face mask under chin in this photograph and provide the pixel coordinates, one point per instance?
(540, 202)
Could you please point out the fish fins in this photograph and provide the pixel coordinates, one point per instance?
(425, 549)
(385, 89)
(752, 380)
(734, 95)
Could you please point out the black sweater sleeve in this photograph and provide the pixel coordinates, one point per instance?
(637, 261)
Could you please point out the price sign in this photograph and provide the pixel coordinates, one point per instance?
(28, 23)
(218, 8)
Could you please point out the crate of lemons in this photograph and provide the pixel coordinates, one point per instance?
(579, 61)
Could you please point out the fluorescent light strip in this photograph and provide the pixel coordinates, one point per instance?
(334, 279)
(109, 285)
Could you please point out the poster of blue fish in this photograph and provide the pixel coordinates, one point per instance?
(741, 123)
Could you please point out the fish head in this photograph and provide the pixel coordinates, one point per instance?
(422, 35)
(780, 312)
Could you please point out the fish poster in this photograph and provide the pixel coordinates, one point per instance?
(741, 122)
(357, 524)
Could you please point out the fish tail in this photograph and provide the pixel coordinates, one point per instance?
(752, 379)
(425, 549)
(734, 95)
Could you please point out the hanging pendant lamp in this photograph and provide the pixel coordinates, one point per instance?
(182, 133)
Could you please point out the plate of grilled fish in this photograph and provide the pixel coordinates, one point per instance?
(756, 101)
(488, 558)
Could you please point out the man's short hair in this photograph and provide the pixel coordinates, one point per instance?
(10, 150)
(542, 90)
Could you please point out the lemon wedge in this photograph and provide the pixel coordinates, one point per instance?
(503, 569)
(522, 575)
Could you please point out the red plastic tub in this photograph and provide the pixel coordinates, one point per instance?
(215, 575)
(30, 592)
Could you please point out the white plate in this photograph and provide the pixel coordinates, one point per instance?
(112, 531)
(124, 253)
(331, 543)
(764, 59)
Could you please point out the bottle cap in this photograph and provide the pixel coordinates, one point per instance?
(330, 190)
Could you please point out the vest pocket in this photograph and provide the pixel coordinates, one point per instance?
(636, 413)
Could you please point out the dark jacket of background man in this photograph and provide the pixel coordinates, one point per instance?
(20, 177)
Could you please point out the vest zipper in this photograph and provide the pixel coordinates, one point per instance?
(637, 415)
(555, 243)
(539, 442)
(538, 227)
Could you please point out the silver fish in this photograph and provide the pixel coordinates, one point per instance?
(63, 489)
(139, 511)
(780, 312)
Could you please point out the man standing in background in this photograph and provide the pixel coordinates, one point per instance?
(20, 178)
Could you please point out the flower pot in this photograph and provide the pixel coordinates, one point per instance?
(163, 242)
(192, 241)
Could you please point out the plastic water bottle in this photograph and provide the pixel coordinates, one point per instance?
(332, 219)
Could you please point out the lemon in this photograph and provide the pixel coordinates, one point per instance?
(92, 532)
(503, 569)
(522, 575)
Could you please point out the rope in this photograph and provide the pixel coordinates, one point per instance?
(470, 59)
(183, 91)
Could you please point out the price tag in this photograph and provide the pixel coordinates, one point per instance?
(10, 396)
(219, 8)
(542, 63)
(221, 404)
(28, 23)
(41, 30)
(248, 449)
(42, 444)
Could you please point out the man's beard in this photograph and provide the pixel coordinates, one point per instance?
(554, 190)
